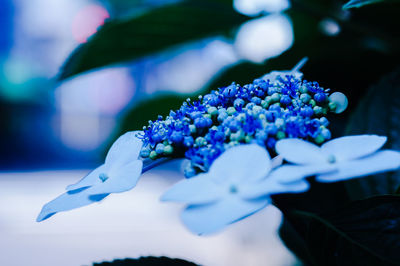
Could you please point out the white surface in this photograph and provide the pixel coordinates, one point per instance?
(130, 224)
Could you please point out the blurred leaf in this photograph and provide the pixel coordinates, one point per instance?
(378, 113)
(149, 109)
(359, 3)
(365, 232)
(147, 261)
(120, 40)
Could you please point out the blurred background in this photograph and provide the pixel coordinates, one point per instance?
(69, 87)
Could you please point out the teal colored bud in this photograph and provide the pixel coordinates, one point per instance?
(332, 106)
(264, 104)
(168, 150)
(280, 135)
(303, 89)
(238, 136)
(153, 155)
(305, 98)
(200, 141)
(268, 99)
(231, 110)
(313, 103)
(207, 116)
(275, 97)
(212, 110)
(319, 139)
(318, 110)
(192, 129)
(248, 139)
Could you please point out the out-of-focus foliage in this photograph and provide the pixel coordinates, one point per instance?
(125, 39)
(378, 113)
(365, 232)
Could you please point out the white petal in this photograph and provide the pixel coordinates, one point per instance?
(379, 162)
(292, 173)
(91, 179)
(299, 151)
(210, 218)
(68, 201)
(250, 162)
(270, 186)
(120, 180)
(353, 147)
(196, 190)
(124, 150)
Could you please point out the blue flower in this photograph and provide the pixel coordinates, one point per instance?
(238, 184)
(119, 173)
(351, 156)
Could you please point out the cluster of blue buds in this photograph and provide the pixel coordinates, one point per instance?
(262, 112)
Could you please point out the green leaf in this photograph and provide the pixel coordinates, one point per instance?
(146, 261)
(378, 113)
(120, 40)
(365, 232)
(149, 109)
(359, 3)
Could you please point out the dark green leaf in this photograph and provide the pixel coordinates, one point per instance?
(359, 3)
(147, 261)
(378, 113)
(121, 40)
(365, 232)
(149, 109)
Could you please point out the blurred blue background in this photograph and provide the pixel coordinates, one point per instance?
(47, 124)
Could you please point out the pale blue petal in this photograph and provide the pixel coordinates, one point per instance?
(353, 147)
(210, 218)
(68, 201)
(124, 150)
(291, 173)
(379, 162)
(120, 180)
(270, 186)
(196, 190)
(91, 179)
(300, 152)
(276, 161)
(250, 162)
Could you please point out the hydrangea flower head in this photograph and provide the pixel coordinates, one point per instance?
(351, 156)
(238, 184)
(280, 105)
(119, 173)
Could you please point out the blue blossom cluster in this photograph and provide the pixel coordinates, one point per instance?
(262, 112)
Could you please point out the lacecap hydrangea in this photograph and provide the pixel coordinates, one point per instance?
(263, 112)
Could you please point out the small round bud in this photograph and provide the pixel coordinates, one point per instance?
(153, 155)
(212, 110)
(280, 135)
(160, 148)
(319, 139)
(305, 98)
(231, 110)
(275, 97)
(340, 100)
(168, 150)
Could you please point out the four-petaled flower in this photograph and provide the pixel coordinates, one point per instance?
(351, 156)
(238, 184)
(119, 173)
